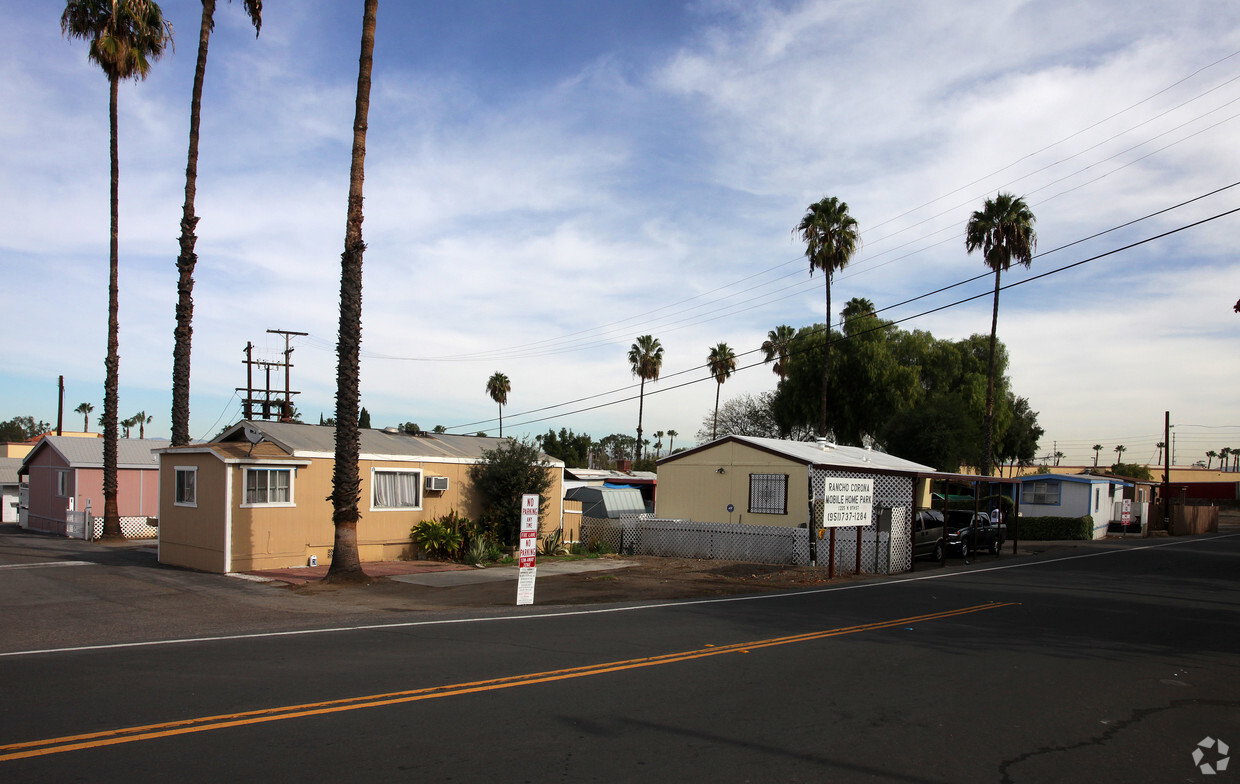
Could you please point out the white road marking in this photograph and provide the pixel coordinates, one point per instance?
(603, 611)
(47, 564)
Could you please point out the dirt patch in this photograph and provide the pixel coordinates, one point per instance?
(647, 579)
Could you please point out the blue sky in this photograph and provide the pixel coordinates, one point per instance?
(548, 180)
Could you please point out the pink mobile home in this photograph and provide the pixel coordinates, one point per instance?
(65, 474)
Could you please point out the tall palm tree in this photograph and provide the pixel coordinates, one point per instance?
(1119, 453)
(346, 563)
(776, 347)
(126, 37)
(1003, 231)
(498, 387)
(1210, 458)
(1058, 456)
(671, 440)
(645, 360)
(658, 443)
(183, 334)
(1223, 454)
(126, 425)
(722, 362)
(141, 420)
(84, 409)
(1097, 451)
(831, 239)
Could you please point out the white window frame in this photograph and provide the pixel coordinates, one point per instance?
(419, 478)
(177, 486)
(245, 486)
(1040, 498)
(62, 483)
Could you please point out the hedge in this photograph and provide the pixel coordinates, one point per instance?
(1043, 528)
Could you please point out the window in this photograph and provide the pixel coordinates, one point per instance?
(187, 487)
(268, 486)
(392, 489)
(1044, 492)
(62, 484)
(768, 493)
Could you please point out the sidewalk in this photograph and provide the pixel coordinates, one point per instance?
(437, 574)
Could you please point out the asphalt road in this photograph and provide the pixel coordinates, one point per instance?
(1111, 663)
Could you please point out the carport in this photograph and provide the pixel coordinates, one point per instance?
(992, 487)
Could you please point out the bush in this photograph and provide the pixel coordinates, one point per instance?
(505, 473)
(436, 539)
(552, 544)
(1043, 528)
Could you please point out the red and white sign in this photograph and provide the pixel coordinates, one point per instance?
(1125, 514)
(526, 556)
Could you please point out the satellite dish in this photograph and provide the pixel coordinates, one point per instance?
(253, 435)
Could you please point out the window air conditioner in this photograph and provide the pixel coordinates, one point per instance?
(437, 484)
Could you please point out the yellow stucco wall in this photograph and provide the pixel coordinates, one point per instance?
(691, 486)
(192, 536)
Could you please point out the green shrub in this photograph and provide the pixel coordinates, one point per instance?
(552, 544)
(436, 539)
(1044, 528)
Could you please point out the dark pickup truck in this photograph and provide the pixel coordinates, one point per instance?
(969, 531)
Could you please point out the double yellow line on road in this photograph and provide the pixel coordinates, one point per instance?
(36, 748)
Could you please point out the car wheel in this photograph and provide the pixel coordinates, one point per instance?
(964, 550)
(937, 555)
(994, 547)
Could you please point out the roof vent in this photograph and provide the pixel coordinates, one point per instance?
(391, 430)
(825, 445)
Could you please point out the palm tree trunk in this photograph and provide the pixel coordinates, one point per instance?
(988, 429)
(346, 483)
(501, 420)
(714, 428)
(111, 513)
(184, 332)
(641, 402)
(826, 364)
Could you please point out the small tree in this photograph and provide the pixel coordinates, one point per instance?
(363, 419)
(511, 470)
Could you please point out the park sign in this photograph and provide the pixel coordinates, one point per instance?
(847, 502)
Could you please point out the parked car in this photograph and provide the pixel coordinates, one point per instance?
(928, 534)
(968, 531)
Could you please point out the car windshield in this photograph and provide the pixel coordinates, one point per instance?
(958, 520)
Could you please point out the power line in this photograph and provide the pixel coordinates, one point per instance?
(886, 325)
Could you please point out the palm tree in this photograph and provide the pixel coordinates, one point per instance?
(346, 483)
(1003, 231)
(1210, 455)
(722, 361)
(498, 388)
(141, 420)
(645, 360)
(126, 37)
(1222, 458)
(831, 239)
(1119, 453)
(671, 440)
(776, 347)
(658, 443)
(84, 409)
(183, 333)
(1161, 446)
(1058, 457)
(126, 424)
(1097, 450)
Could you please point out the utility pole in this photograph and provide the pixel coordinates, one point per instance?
(1166, 483)
(285, 404)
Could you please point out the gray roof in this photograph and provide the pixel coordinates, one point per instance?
(81, 452)
(8, 470)
(302, 440)
(810, 453)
